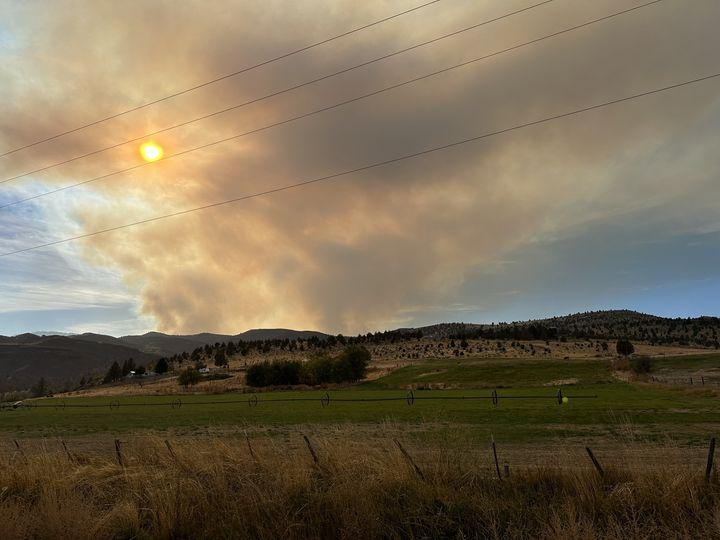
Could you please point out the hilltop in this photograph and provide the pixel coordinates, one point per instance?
(605, 325)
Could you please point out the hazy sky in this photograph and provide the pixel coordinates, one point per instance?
(614, 208)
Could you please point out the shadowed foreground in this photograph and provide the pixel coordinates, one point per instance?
(220, 489)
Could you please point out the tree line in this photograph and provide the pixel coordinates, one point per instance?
(349, 366)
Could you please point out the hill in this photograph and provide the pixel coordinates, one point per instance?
(605, 325)
(60, 360)
(169, 345)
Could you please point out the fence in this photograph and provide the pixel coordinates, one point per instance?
(687, 381)
(123, 462)
(325, 400)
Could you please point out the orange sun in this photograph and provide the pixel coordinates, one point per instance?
(151, 151)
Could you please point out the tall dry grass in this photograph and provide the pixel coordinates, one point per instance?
(220, 489)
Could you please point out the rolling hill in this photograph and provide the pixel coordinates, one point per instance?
(607, 325)
(60, 360)
(168, 345)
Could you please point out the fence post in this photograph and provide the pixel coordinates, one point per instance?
(250, 448)
(507, 470)
(497, 465)
(172, 452)
(595, 461)
(710, 459)
(19, 450)
(410, 460)
(312, 451)
(70, 457)
(118, 453)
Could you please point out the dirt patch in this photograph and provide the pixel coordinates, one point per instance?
(435, 372)
(561, 382)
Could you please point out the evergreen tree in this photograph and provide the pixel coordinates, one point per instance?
(114, 373)
(128, 366)
(624, 347)
(161, 366)
(40, 389)
(220, 358)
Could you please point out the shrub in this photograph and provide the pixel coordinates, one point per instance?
(621, 364)
(278, 372)
(189, 377)
(624, 347)
(353, 363)
(641, 364)
(350, 366)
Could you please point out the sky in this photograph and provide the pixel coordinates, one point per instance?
(615, 208)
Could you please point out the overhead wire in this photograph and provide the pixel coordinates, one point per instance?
(221, 78)
(286, 90)
(327, 108)
(371, 165)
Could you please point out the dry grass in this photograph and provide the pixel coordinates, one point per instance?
(386, 358)
(218, 488)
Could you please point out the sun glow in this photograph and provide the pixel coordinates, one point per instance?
(151, 151)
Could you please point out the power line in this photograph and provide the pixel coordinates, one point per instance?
(366, 167)
(284, 91)
(323, 109)
(221, 78)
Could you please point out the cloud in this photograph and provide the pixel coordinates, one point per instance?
(370, 248)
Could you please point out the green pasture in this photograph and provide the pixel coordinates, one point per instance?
(686, 364)
(653, 412)
(496, 373)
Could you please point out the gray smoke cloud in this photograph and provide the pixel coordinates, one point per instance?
(373, 249)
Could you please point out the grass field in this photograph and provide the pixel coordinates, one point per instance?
(215, 488)
(497, 373)
(652, 412)
(691, 363)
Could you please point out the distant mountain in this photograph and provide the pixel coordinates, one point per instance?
(59, 359)
(51, 333)
(278, 333)
(169, 345)
(99, 338)
(161, 344)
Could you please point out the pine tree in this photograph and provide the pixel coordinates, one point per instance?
(220, 358)
(161, 366)
(114, 373)
(40, 389)
(128, 366)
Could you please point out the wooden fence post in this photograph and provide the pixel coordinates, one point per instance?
(409, 459)
(118, 453)
(250, 448)
(170, 449)
(70, 457)
(312, 451)
(497, 465)
(19, 450)
(595, 461)
(710, 459)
